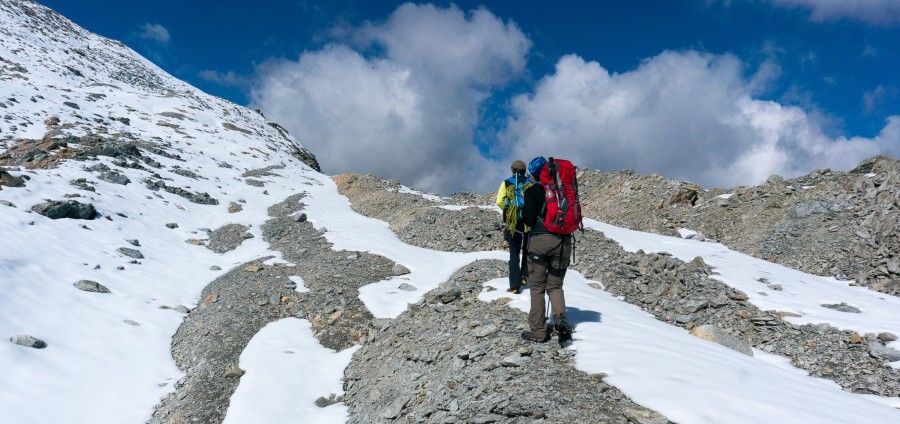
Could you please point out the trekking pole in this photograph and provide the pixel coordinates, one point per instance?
(573, 249)
(548, 309)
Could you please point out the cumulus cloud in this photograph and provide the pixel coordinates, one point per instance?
(878, 12)
(685, 115)
(477, 48)
(409, 112)
(402, 99)
(154, 32)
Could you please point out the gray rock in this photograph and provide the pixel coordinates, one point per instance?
(172, 225)
(131, 253)
(28, 341)
(393, 410)
(199, 198)
(443, 295)
(399, 269)
(100, 167)
(7, 203)
(887, 337)
(69, 209)
(134, 242)
(227, 238)
(114, 177)
(322, 402)
(880, 351)
(91, 286)
(486, 330)
(407, 287)
(513, 360)
(183, 309)
(382, 323)
(843, 307)
(645, 416)
(300, 217)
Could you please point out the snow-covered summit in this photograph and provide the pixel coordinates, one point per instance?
(59, 79)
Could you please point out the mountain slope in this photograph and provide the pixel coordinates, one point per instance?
(842, 224)
(172, 257)
(92, 126)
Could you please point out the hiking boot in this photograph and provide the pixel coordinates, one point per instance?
(562, 328)
(524, 283)
(527, 335)
(514, 291)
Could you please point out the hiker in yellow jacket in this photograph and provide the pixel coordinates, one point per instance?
(511, 202)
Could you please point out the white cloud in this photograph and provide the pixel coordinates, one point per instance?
(878, 12)
(229, 78)
(154, 32)
(411, 111)
(410, 114)
(685, 115)
(478, 48)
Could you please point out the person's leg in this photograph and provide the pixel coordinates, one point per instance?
(515, 265)
(514, 246)
(537, 278)
(559, 263)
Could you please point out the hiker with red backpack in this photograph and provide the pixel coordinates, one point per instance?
(553, 212)
(510, 199)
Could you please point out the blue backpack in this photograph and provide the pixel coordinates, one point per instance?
(515, 201)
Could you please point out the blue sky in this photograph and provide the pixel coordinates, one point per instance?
(720, 92)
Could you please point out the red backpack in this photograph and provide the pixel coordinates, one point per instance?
(562, 205)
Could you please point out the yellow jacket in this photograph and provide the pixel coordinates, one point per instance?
(501, 196)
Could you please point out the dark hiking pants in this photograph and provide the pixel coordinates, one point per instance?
(548, 259)
(518, 247)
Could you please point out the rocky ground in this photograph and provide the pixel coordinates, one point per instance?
(238, 304)
(683, 294)
(449, 358)
(842, 224)
(455, 359)
(421, 221)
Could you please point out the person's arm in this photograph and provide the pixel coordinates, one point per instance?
(501, 196)
(534, 198)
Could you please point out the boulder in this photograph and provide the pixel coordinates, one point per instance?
(28, 341)
(91, 286)
(71, 209)
(7, 179)
(131, 253)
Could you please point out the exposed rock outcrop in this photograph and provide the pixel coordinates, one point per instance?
(842, 224)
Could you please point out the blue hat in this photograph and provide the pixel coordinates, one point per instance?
(534, 168)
